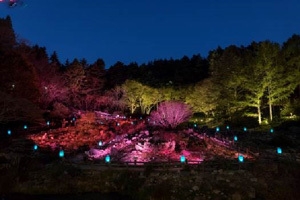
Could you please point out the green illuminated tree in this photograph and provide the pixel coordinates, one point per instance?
(278, 81)
(203, 98)
(227, 68)
(132, 93)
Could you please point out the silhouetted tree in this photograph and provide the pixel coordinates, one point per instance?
(7, 35)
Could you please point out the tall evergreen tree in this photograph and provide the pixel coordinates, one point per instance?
(7, 35)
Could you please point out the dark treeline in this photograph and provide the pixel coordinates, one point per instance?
(260, 80)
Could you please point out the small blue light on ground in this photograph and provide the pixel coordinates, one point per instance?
(100, 143)
(141, 117)
(35, 147)
(25, 127)
(8, 132)
(74, 119)
(217, 129)
(271, 130)
(107, 159)
(241, 158)
(227, 127)
(61, 153)
(48, 123)
(279, 150)
(245, 128)
(235, 138)
(182, 159)
(195, 125)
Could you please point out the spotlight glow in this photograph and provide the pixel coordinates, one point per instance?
(241, 158)
(107, 159)
(182, 159)
(61, 153)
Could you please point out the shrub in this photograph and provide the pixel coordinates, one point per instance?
(170, 114)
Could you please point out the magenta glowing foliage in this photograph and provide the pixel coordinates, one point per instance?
(170, 114)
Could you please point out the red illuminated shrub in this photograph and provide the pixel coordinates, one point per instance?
(170, 114)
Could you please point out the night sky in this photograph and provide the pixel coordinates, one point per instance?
(144, 30)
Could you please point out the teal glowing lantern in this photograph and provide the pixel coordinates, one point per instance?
(8, 132)
(107, 159)
(279, 150)
(35, 147)
(271, 130)
(182, 159)
(48, 123)
(227, 127)
(218, 129)
(241, 158)
(195, 125)
(100, 143)
(245, 129)
(25, 127)
(74, 119)
(61, 153)
(235, 138)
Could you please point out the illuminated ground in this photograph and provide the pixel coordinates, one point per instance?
(129, 140)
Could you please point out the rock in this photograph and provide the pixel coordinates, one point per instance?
(195, 188)
(220, 178)
(251, 194)
(236, 196)
(230, 173)
(216, 191)
(232, 185)
(253, 179)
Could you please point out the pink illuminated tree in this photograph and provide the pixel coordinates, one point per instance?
(170, 114)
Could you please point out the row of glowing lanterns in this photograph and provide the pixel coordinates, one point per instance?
(244, 129)
(61, 154)
(25, 127)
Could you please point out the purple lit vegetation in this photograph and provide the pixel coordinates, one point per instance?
(133, 142)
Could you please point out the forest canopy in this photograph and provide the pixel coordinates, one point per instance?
(260, 81)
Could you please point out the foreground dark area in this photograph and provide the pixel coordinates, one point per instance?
(89, 196)
(27, 173)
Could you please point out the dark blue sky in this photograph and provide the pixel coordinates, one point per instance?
(144, 30)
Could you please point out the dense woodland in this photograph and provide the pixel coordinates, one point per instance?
(259, 81)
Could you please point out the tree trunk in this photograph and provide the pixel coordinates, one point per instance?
(270, 111)
(259, 114)
(270, 106)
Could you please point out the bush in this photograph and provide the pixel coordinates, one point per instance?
(170, 114)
